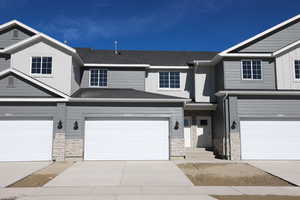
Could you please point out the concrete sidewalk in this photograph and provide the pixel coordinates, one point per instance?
(11, 172)
(141, 192)
(287, 170)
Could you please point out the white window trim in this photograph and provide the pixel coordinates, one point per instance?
(36, 75)
(169, 88)
(96, 86)
(251, 79)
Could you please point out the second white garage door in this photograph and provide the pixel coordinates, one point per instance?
(270, 140)
(126, 140)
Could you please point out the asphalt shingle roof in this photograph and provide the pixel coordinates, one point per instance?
(165, 58)
(118, 93)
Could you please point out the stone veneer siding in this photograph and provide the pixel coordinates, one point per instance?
(58, 152)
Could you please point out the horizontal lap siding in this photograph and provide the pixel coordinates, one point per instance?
(233, 76)
(268, 108)
(119, 78)
(79, 113)
(29, 111)
(277, 40)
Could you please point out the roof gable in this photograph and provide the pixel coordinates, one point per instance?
(270, 40)
(16, 84)
(12, 85)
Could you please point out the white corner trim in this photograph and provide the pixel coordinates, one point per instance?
(126, 100)
(286, 48)
(114, 65)
(168, 67)
(249, 55)
(34, 81)
(15, 22)
(260, 34)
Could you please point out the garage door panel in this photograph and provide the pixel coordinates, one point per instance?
(126, 140)
(274, 140)
(26, 140)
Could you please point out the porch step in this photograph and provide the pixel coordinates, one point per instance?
(199, 154)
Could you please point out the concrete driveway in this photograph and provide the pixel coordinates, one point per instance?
(287, 170)
(121, 173)
(11, 172)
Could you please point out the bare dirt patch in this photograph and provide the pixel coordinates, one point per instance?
(43, 176)
(229, 174)
(255, 197)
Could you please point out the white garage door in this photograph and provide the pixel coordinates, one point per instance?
(277, 140)
(25, 140)
(126, 140)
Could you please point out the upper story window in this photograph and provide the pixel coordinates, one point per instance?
(98, 77)
(41, 65)
(297, 69)
(251, 70)
(169, 79)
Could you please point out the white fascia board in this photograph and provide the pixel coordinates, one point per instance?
(10, 48)
(290, 93)
(261, 34)
(33, 100)
(168, 67)
(35, 82)
(15, 22)
(114, 65)
(126, 100)
(286, 48)
(249, 55)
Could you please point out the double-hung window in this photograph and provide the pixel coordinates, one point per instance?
(169, 79)
(251, 70)
(41, 65)
(98, 77)
(297, 69)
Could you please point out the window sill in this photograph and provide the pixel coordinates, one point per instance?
(169, 89)
(42, 76)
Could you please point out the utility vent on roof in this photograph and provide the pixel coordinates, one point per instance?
(11, 82)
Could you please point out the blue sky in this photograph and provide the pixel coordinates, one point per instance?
(197, 25)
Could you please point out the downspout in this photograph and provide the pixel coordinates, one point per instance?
(227, 136)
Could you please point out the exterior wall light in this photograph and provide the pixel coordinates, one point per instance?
(59, 125)
(75, 125)
(233, 125)
(176, 127)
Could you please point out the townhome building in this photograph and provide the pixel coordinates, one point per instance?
(59, 102)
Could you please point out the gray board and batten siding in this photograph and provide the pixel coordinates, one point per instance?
(119, 78)
(4, 61)
(12, 36)
(274, 40)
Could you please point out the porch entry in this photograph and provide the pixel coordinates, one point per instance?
(197, 132)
